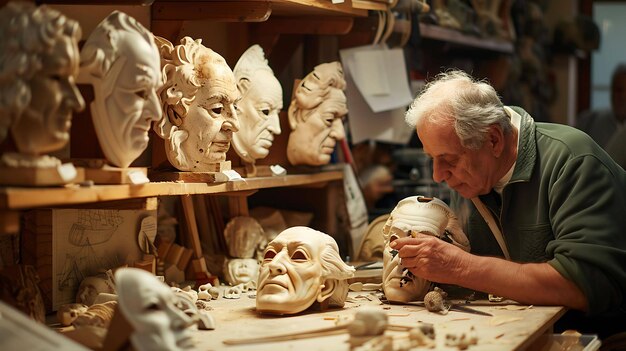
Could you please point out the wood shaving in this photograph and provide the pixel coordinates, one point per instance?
(499, 320)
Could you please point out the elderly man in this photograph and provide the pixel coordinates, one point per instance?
(546, 221)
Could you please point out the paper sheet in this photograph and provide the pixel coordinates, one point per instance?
(85, 241)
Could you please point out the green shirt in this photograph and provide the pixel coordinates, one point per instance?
(566, 205)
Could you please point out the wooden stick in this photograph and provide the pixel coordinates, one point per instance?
(337, 329)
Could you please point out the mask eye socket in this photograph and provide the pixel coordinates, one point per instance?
(217, 110)
(299, 256)
(269, 255)
(266, 111)
(393, 238)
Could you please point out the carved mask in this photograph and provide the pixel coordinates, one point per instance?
(122, 62)
(301, 266)
(40, 62)
(316, 116)
(259, 107)
(198, 99)
(154, 311)
(415, 214)
(243, 236)
(240, 270)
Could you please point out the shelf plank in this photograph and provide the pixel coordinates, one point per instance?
(21, 198)
(227, 11)
(316, 8)
(429, 31)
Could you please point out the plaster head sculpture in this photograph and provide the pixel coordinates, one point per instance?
(198, 100)
(316, 116)
(243, 235)
(154, 311)
(301, 267)
(415, 214)
(38, 64)
(261, 102)
(241, 270)
(121, 60)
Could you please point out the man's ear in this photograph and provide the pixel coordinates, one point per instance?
(495, 138)
(243, 85)
(326, 290)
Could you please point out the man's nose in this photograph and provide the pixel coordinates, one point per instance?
(274, 123)
(231, 121)
(440, 172)
(337, 131)
(74, 99)
(153, 107)
(277, 266)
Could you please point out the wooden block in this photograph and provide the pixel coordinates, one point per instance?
(188, 177)
(114, 175)
(199, 265)
(174, 254)
(9, 222)
(184, 258)
(36, 250)
(118, 336)
(50, 176)
(162, 249)
(148, 263)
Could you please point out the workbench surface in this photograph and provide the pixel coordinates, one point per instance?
(512, 326)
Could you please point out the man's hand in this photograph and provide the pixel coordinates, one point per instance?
(431, 258)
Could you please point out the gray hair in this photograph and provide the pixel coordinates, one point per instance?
(455, 97)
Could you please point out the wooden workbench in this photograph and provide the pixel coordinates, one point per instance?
(527, 328)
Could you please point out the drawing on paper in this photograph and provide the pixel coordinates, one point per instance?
(87, 241)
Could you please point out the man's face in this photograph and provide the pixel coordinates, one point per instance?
(469, 172)
(126, 99)
(618, 96)
(318, 135)
(44, 125)
(212, 119)
(290, 277)
(241, 270)
(258, 114)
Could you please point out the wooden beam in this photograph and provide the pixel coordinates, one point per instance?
(306, 25)
(223, 11)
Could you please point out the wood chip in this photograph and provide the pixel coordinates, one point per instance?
(499, 320)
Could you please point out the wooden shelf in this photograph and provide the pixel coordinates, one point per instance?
(428, 31)
(23, 198)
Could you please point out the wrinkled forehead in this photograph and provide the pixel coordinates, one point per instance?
(299, 236)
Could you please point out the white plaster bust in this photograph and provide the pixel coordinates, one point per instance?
(415, 214)
(198, 100)
(316, 116)
(300, 267)
(38, 65)
(121, 60)
(243, 235)
(152, 308)
(240, 270)
(259, 107)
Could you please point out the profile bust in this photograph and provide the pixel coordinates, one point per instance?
(301, 267)
(121, 61)
(316, 116)
(38, 66)
(198, 98)
(259, 107)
